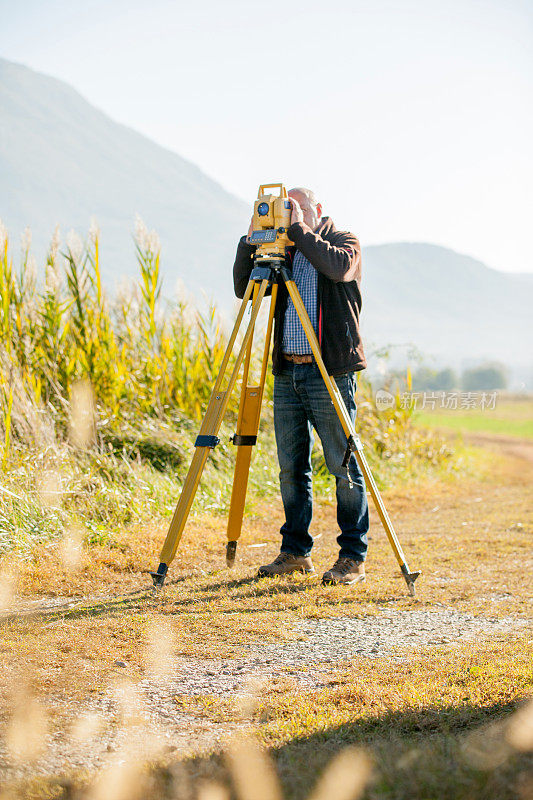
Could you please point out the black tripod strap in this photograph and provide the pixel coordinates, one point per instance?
(352, 446)
(243, 441)
(206, 441)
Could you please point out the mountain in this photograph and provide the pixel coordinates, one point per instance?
(525, 277)
(449, 305)
(64, 161)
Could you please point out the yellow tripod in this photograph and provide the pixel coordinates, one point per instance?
(267, 272)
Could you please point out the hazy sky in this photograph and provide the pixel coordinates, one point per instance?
(411, 120)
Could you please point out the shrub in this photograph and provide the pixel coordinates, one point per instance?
(484, 378)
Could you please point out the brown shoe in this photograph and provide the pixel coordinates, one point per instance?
(286, 563)
(346, 571)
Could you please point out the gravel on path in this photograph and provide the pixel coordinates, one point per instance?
(321, 645)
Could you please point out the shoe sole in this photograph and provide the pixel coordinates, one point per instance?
(261, 574)
(329, 582)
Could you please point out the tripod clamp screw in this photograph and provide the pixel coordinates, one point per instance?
(354, 444)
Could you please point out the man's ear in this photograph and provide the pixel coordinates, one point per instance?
(318, 210)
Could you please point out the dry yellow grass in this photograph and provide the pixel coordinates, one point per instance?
(472, 540)
(457, 532)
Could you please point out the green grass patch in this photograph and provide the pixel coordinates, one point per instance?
(508, 418)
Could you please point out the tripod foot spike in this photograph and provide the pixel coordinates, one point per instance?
(159, 576)
(231, 549)
(410, 578)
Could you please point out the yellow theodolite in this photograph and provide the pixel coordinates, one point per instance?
(271, 219)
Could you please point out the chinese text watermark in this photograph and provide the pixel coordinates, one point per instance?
(431, 401)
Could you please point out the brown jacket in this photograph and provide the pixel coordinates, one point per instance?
(336, 255)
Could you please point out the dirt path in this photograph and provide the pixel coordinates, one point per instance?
(516, 448)
(138, 707)
(155, 708)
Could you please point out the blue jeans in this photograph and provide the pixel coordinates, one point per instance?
(301, 403)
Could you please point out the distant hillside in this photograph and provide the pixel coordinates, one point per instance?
(64, 161)
(448, 304)
(525, 277)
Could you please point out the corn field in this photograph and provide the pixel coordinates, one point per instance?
(99, 395)
(107, 393)
(138, 360)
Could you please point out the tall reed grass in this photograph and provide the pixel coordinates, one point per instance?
(107, 393)
(138, 359)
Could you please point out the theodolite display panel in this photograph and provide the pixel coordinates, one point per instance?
(262, 237)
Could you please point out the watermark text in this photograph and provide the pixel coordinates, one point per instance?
(433, 401)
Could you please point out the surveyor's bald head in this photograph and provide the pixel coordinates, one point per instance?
(311, 208)
(303, 192)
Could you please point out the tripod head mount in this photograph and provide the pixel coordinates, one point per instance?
(269, 268)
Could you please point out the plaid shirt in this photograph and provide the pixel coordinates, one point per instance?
(305, 277)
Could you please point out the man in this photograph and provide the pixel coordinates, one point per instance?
(326, 267)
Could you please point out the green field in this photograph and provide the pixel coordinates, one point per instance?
(512, 416)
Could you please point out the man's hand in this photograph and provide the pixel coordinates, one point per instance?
(297, 215)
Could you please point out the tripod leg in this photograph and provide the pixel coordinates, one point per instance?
(354, 442)
(207, 438)
(410, 577)
(246, 436)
